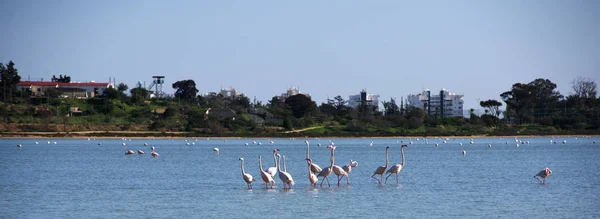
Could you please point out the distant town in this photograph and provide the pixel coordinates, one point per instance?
(63, 105)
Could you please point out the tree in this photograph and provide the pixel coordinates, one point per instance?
(122, 87)
(138, 94)
(65, 79)
(111, 93)
(584, 92)
(544, 96)
(9, 78)
(492, 106)
(300, 105)
(390, 107)
(518, 99)
(186, 90)
(339, 103)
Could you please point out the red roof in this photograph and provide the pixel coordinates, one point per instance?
(72, 84)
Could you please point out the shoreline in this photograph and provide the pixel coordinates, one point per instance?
(180, 135)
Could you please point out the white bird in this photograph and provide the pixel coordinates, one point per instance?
(273, 170)
(99, 143)
(153, 153)
(396, 168)
(259, 143)
(489, 145)
(145, 144)
(460, 143)
(55, 142)
(216, 150)
(193, 143)
(123, 143)
(19, 145)
(247, 177)
(48, 142)
(285, 177)
(36, 142)
(316, 169)
(88, 139)
(381, 169)
(464, 153)
(312, 178)
(129, 152)
(246, 144)
(339, 171)
(564, 141)
(543, 174)
(327, 171)
(266, 177)
(436, 145)
(140, 152)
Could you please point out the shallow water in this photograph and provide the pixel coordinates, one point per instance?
(77, 178)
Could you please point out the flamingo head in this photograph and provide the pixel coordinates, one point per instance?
(387, 147)
(152, 147)
(548, 171)
(275, 150)
(353, 163)
(308, 160)
(404, 146)
(241, 158)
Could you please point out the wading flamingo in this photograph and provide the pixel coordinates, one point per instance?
(273, 170)
(327, 171)
(266, 177)
(285, 177)
(312, 178)
(247, 177)
(153, 153)
(339, 171)
(543, 174)
(398, 167)
(140, 152)
(348, 168)
(381, 170)
(313, 167)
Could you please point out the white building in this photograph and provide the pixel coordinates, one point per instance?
(231, 93)
(443, 103)
(71, 89)
(363, 97)
(291, 92)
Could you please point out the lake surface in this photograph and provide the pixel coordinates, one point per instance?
(77, 178)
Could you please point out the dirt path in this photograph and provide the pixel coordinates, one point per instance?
(304, 129)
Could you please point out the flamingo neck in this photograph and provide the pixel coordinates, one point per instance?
(386, 156)
(402, 152)
(277, 164)
(274, 158)
(260, 163)
(332, 157)
(307, 151)
(284, 168)
(309, 164)
(243, 172)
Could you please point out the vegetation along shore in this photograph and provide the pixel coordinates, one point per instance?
(533, 108)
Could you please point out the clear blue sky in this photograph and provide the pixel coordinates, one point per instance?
(478, 48)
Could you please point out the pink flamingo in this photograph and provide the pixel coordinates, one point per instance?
(312, 178)
(381, 170)
(153, 153)
(129, 152)
(337, 170)
(398, 167)
(273, 170)
(266, 177)
(140, 152)
(543, 174)
(285, 177)
(247, 177)
(313, 167)
(327, 171)
(348, 168)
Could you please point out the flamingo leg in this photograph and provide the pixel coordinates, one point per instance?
(339, 181)
(396, 178)
(386, 178)
(348, 180)
(373, 176)
(535, 177)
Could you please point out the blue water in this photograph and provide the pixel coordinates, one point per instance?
(77, 178)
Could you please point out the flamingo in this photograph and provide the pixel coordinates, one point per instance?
(312, 178)
(247, 177)
(398, 167)
(273, 170)
(327, 171)
(381, 170)
(543, 174)
(140, 152)
(285, 177)
(264, 174)
(337, 170)
(129, 152)
(349, 168)
(153, 153)
(316, 169)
